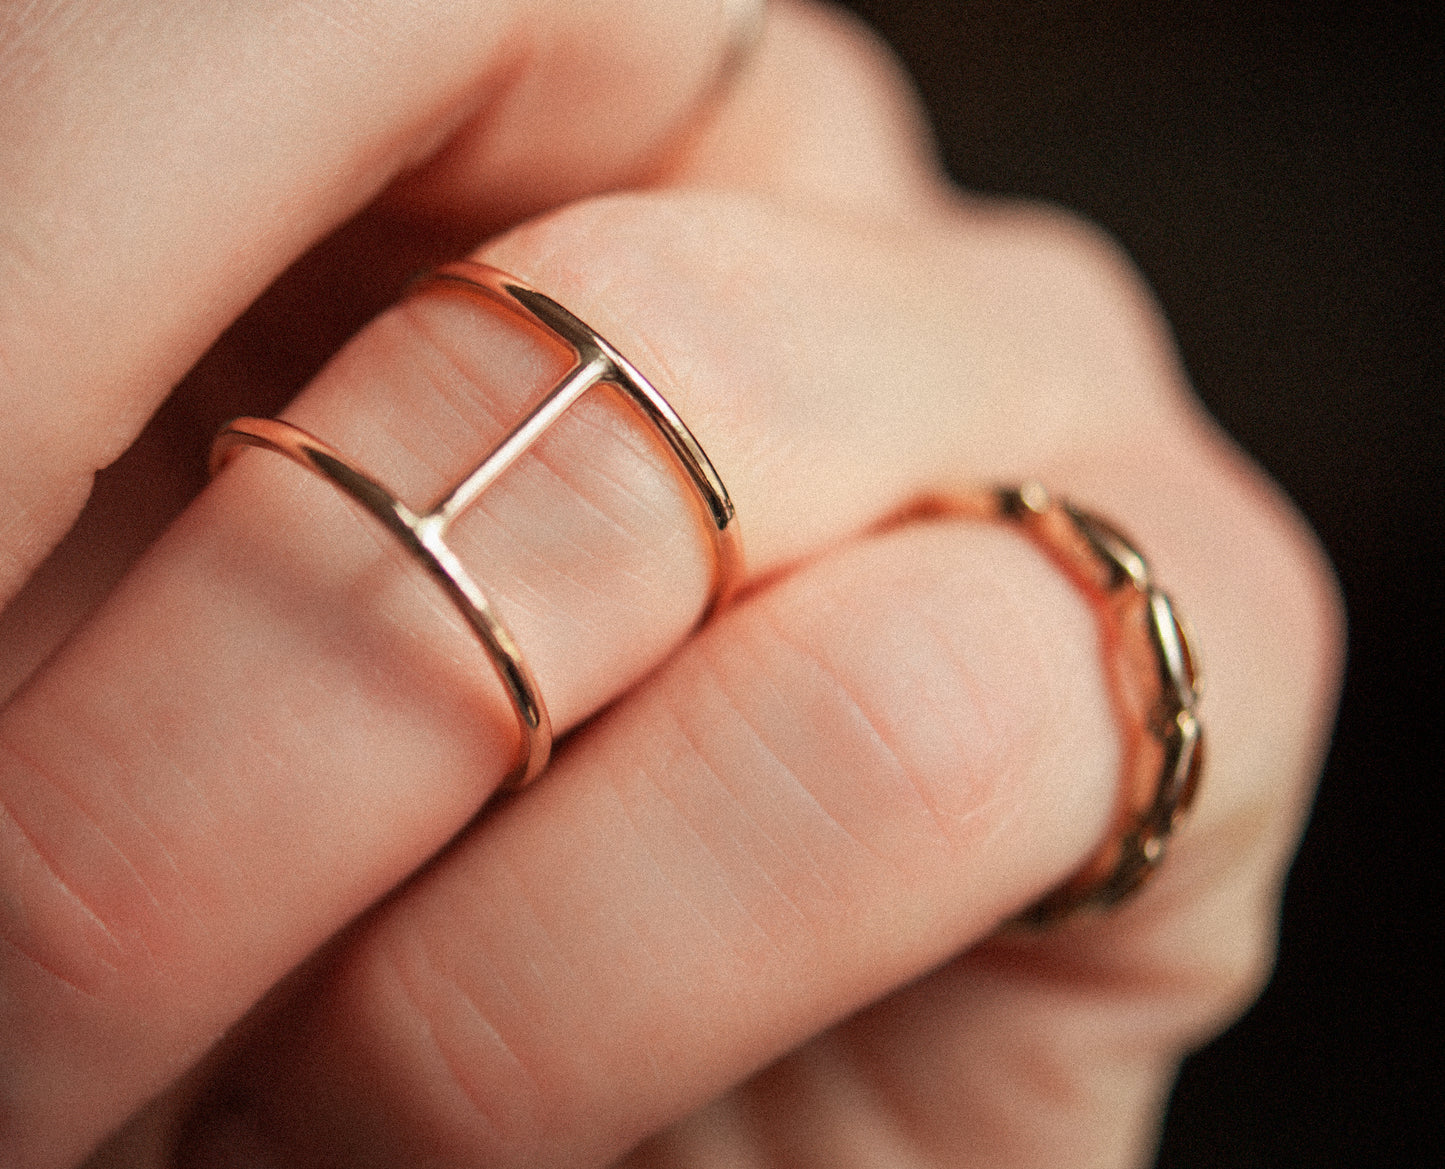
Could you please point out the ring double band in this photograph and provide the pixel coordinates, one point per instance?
(423, 534)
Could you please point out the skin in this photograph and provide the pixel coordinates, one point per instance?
(750, 916)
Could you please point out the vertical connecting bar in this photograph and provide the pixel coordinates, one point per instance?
(596, 362)
(579, 380)
(424, 536)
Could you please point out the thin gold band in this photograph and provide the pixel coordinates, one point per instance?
(423, 535)
(1153, 680)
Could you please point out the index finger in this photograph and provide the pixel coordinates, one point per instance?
(163, 162)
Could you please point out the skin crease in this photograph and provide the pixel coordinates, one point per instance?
(750, 916)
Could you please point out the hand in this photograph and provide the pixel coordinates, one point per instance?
(750, 914)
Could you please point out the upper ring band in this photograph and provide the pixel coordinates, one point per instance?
(423, 534)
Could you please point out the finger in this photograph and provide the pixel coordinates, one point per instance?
(1061, 1047)
(817, 94)
(163, 163)
(823, 115)
(818, 800)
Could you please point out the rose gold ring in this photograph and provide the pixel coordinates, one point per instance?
(423, 534)
(1151, 670)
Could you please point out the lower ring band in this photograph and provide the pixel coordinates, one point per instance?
(1153, 681)
(423, 535)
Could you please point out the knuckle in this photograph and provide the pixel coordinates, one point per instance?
(1241, 971)
(1215, 956)
(1275, 644)
(1099, 359)
(1311, 592)
(1074, 261)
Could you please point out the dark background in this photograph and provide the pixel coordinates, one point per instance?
(1276, 170)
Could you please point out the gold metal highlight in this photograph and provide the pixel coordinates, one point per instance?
(1153, 681)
